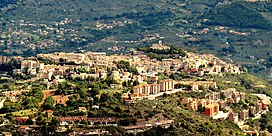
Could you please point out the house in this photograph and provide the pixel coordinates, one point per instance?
(6, 133)
(222, 103)
(186, 100)
(211, 109)
(214, 96)
(49, 113)
(265, 103)
(233, 117)
(59, 99)
(4, 59)
(92, 121)
(244, 114)
(23, 129)
(258, 106)
(83, 109)
(148, 89)
(252, 109)
(193, 105)
(167, 85)
(159, 46)
(20, 120)
(95, 107)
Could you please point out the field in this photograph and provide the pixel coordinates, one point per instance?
(23, 113)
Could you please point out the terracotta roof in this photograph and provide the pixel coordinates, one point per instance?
(20, 120)
(23, 127)
(49, 111)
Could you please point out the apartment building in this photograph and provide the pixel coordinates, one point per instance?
(244, 114)
(258, 107)
(252, 109)
(233, 117)
(193, 105)
(4, 59)
(211, 109)
(214, 96)
(167, 85)
(147, 89)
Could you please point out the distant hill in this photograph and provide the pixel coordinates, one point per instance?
(50, 10)
(238, 15)
(4, 3)
(39, 26)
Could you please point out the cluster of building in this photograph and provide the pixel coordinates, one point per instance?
(159, 46)
(258, 108)
(68, 122)
(95, 64)
(99, 65)
(5, 59)
(71, 120)
(144, 89)
(143, 127)
(214, 100)
(218, 100)
(101, 25)
(57, 67)
(196, 84)
(207, 64)
(89, 132)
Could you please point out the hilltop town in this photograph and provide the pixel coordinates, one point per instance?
(135, 68)
(96, 91)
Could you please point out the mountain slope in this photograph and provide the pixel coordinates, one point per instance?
(239, 15)
(40, 26)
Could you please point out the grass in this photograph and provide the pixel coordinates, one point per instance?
(23, 113)
(111, 91)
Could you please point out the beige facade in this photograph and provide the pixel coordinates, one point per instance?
(167, 85)
(244, 114)
(233, 117)
(4, 59)
(147, 89)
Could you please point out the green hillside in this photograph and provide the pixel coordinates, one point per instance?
(40, 26)
(239, 15)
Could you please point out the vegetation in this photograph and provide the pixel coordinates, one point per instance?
(239, 15)
(30, 27)
(174, 52)
(173, 21)
(124, 65)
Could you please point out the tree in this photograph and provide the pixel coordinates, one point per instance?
(111, 80)
(95, 91)
(29, 122)
(135, 83)
(104, 86)
(269, 127)
(125, 84)
(104, 97)
(83, 93)
(117, 109)
(30, 102)
(37, 93)
(48, 103)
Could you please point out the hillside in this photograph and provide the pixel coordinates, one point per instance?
(34, 26)
(238, 15)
